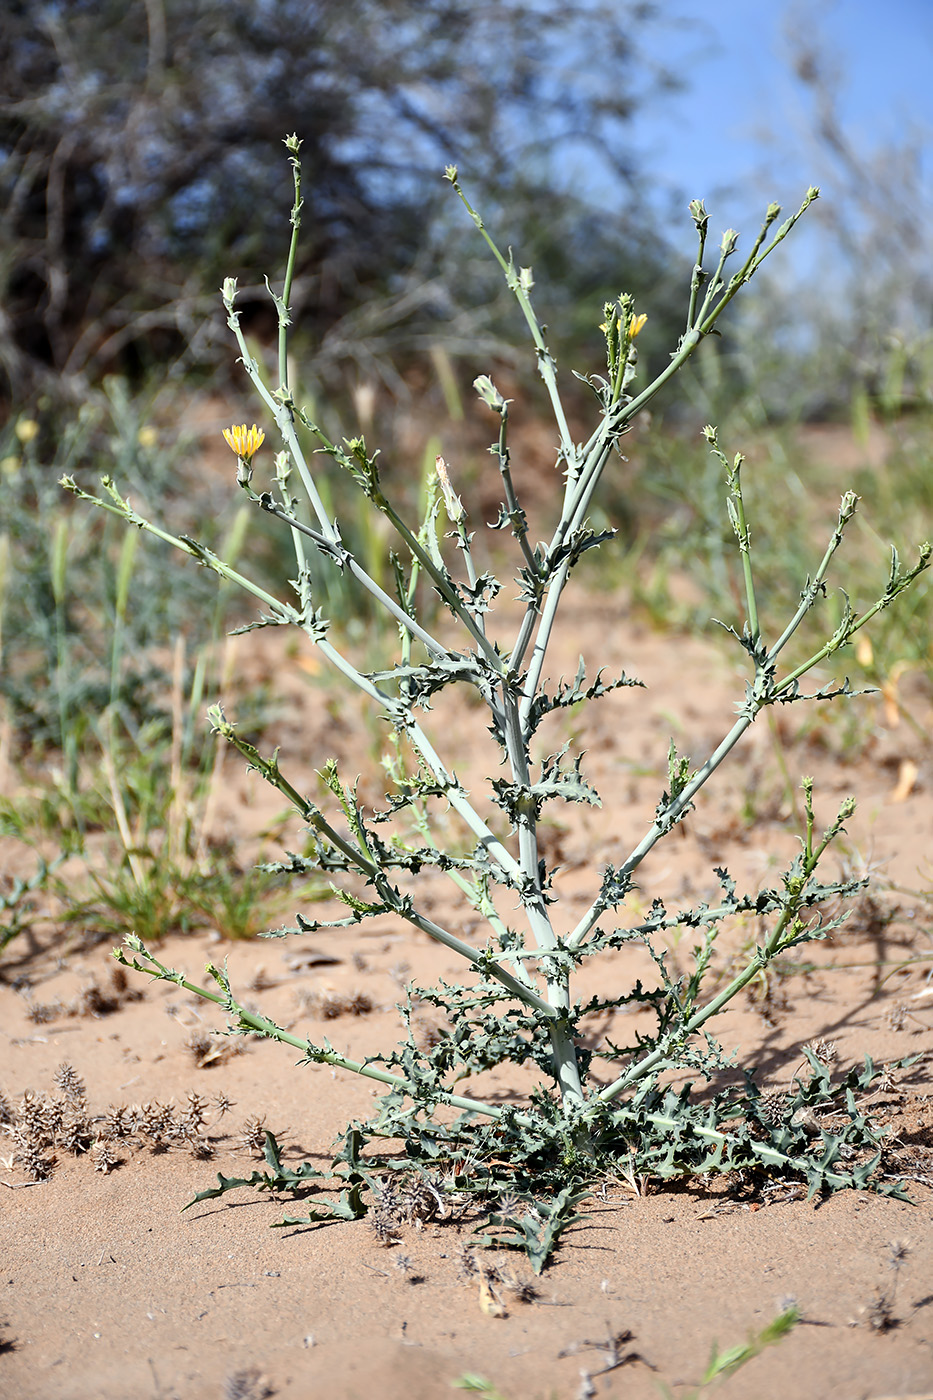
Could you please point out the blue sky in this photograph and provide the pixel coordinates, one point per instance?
(741, 132)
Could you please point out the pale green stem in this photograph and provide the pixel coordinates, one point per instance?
(252, 1021)
(284, 316)
(364, 863)
(516, 514)
(201, 553)
(761, 958)
(545, 359)
(477, 897)
(456, 797)
(683, 800)
(348, 562)
(743, 535)
(566, 1067)
(696, 280)
(442, 583)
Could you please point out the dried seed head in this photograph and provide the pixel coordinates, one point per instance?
(467, 1267)
(385, 1225)
(207, 1049)
(104, 1158)
(223, 1104)
(199, 1044)
(253, 1135)
(38, 1165)
(70, 1082)
(201, 1148)
(886, 1081)
(247, 1385)
(197, 1109)
(879, 1313)
(898, 1251)
(157, 1122)
(76, 1134)
(522, 1290)
(39, 1119)
(359, 1004)
(824, 1050)
(327, 1005)
(331, 1006)
(118, 1122)
(418, 1200)
(40, 1013)
(429, 1035)
(773, 1107)
(93, 1002)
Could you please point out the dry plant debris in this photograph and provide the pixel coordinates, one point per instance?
(41, 1124)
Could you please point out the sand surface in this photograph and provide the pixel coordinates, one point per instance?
(108, 1291)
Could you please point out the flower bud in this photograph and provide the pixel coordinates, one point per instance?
(698, 213)
(452, 503)
(489, 393)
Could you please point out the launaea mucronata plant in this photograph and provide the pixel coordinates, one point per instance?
(533, 1162)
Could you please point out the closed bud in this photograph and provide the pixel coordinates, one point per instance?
(698, 213)
(489, 393)
(452, 502)
(729, 239)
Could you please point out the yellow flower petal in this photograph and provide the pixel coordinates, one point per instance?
(245, 442)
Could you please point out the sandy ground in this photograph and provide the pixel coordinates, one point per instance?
(109, 1291)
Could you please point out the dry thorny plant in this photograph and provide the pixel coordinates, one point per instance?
(39, 1125)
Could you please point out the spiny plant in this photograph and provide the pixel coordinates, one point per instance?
(536, 1159)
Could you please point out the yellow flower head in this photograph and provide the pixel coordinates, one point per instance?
(244, 441)
(26, 429)
(636, 324)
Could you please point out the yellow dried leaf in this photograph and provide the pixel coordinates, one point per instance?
(906, 777)
(489, 1301)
